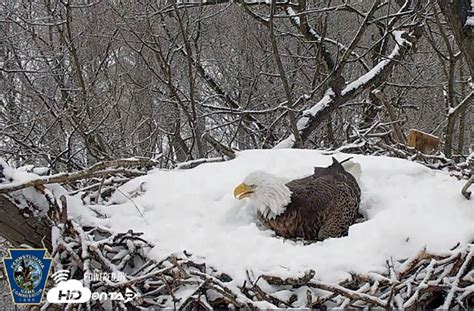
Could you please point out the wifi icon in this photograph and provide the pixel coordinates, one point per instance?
(60, 276)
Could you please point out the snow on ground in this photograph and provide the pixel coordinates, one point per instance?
(408, 207)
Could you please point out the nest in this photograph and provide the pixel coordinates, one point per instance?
(425, 280)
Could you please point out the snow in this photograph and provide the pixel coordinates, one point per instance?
(470, 19)
(407, 206)
(16, 176)
(286, 143)
(28, 197)
(322, 104)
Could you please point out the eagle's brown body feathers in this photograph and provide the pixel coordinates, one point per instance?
(322, 205)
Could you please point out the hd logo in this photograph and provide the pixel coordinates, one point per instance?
(67, 291)
(72, 291)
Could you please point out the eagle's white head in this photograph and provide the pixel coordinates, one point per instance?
(268, 193)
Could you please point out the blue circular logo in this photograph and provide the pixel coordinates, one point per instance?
(27, 273)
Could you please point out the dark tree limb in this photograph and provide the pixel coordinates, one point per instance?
(219, 146)
(22, 227)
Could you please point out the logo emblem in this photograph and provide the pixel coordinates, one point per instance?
(70, 291)
(67, 291)
(73, 291)
(27, 271)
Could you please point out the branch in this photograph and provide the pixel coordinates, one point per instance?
(465, 102)
(465, 192)
(19, 226)
(97, 170)
(331, 101)
(219, 146)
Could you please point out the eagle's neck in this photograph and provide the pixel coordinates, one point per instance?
(272, 198)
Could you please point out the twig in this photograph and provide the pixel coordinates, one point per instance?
(218, 146)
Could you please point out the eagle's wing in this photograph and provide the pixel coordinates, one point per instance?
(327, 201)
(310, 199)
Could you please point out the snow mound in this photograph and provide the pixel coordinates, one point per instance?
(407, 207)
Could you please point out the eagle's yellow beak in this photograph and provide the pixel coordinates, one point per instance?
(242, 191)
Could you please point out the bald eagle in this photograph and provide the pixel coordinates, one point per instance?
(316, 207)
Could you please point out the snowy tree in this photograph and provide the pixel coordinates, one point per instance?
(100, 99)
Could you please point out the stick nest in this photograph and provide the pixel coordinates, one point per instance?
(425, 280)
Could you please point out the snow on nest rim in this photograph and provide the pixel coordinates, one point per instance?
(408, 207)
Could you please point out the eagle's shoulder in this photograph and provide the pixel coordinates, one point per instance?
(323, 185)
(322, 178)
(310, 193)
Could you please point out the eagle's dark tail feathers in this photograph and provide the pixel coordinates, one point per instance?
(352, 168)
(337, 166)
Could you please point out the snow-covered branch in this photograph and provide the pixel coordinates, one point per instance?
(313, 116)
(100, 169)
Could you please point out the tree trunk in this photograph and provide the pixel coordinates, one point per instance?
(456, 13)
(19, 227)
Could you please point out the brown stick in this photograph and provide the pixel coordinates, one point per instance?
(465, 192)
(219, 146)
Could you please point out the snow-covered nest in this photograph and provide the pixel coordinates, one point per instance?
(407, 206)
